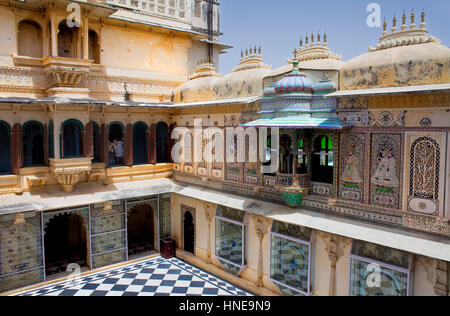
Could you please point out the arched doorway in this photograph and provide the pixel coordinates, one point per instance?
(162, 136)
(140, 225)
(286, 154)
(33, 144)
(115, 132)
(140, 143)
(116, 153)
(96, 141)
(189, 232)
(5, 148)
(66, 239)
(322, 160)
(72, 132)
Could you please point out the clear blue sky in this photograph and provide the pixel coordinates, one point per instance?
(278, 24)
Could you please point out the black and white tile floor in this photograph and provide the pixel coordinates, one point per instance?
(154, 277)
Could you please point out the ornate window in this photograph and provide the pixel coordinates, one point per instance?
(424, 182)
(379, 271)
(197, 9)
(290, 258)
(231, 239)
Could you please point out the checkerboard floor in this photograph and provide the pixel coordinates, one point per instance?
(154, 277)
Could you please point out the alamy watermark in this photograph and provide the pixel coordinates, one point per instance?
(230, 145)
(374, 18)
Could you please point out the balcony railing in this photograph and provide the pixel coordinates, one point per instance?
(170, 8)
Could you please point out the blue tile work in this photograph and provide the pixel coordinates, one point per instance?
(154, 277)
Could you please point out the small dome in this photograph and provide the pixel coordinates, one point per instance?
(245, 80)
(294, 82)
(324, 86)
(200, 84)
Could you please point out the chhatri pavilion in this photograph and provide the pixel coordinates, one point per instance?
(88, 174)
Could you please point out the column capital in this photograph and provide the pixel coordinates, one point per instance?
(334, 245)
(262, 225)
(210, 210)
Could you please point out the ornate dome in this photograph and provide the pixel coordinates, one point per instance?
(405, 57)
(294, 82)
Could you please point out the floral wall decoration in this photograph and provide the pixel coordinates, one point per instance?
(385, 169)
(424, 181)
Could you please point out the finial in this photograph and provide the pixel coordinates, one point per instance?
(318, 37)
(325, 37)
(394, 24)
(312, 38)
(246, 52)
(242, 54)
(259, 50)
(403, 27)
(423, 24)
(384, 26)
(301, 42)
(306, 39)
(256, 50)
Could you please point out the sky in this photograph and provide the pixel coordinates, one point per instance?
(277, 25)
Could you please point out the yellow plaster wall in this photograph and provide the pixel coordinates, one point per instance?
(8, 40)
(146, 51)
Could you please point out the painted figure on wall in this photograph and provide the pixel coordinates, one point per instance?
(386, 170)
(351, 172)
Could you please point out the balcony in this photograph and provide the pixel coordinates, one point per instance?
(66, 75)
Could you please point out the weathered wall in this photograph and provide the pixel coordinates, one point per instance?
(400, 66)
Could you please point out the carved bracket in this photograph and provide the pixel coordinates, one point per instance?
(69, 171)
(436, 274)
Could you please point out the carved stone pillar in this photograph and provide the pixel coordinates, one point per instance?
(334, 246)
(262, 226)
(53, 32)
(85, 37)
(209, 214)
(436, 274)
